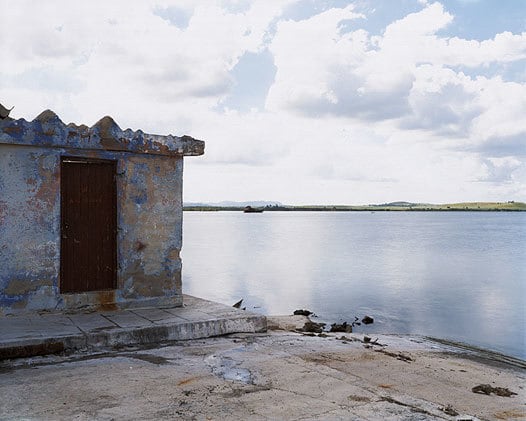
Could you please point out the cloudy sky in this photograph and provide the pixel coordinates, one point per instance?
(303, 102)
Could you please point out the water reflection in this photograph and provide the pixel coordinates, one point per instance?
(452, 275)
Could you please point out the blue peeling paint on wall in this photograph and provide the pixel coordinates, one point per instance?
(149, 212)
(47, 130)
(138, 180)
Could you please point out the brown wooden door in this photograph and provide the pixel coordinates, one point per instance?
(88, 222)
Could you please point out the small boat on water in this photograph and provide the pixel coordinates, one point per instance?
(250, 209)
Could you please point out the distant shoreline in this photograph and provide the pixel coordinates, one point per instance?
(390, 207)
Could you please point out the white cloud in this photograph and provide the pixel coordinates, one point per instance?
(442, 101)
(304, 53)
(127, 56)
(504, 109)
(401, 74)
(350, 117)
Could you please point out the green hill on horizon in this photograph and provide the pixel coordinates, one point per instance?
(510, 206)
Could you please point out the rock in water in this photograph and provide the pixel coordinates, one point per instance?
(302, 313)
(313, 327)
(344, 327)
(367, 320)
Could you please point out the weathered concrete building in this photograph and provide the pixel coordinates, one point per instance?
(89, 217)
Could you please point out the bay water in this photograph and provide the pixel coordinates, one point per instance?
(452, 275)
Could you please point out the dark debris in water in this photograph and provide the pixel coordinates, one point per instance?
(313, 327)
(302, 312)
(341, 327)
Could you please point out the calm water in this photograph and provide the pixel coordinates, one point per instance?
(460, 275)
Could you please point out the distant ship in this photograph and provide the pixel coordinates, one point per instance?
(250, 209)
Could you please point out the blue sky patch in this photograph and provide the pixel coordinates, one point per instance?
(482, 19)
(253, 76)
(174, 15)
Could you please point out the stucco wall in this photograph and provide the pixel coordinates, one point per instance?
(149, 209)
(150, 226)
(29, 228)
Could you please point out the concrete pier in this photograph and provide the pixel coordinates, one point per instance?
(50, 333)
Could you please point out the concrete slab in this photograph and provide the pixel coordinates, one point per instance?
(91, 321)
(152, 314)
(273, 376)
(170, 320)
(41, 334)
(126, 318)
(12, 328)
(51, 325)
(191, 314)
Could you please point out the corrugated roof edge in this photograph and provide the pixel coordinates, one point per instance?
(47, 130)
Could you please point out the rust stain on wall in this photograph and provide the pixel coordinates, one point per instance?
(105, 300)
(3, 211)
(139, 246)
(23, 286)
(13, 130)
(48, 173)
(174, 254)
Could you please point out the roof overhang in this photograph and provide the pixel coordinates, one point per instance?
(47, 130)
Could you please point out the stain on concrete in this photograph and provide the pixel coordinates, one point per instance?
(22, 351)
(229, 369)
(149, 358)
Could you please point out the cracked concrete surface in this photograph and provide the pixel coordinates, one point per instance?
(274, 376)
